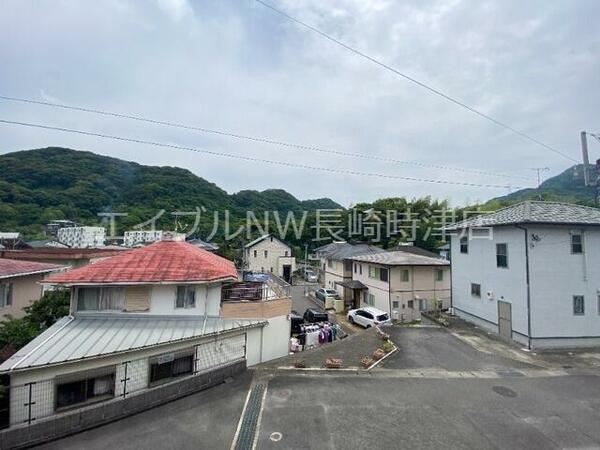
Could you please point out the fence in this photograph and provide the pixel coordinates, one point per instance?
(273, 288)
(31, 402)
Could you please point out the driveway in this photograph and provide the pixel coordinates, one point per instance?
(438, 348)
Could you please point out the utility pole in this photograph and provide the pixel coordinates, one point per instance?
(539, 170)
(586, 158)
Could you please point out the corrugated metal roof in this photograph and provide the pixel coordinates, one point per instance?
(16, 268)
(399, 258)
(92, 335)
(534, 212)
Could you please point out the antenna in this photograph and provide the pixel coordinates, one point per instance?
(538, 171)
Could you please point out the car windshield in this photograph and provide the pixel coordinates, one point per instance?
(382, 317)
(330, 291)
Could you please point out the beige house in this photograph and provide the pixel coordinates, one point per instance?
(20, 284)
(270, 254)
(402, 283)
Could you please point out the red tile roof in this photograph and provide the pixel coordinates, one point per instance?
(16, 268)
(164, 261)
(61, 253)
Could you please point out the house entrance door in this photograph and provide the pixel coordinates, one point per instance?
(505, 319)
(287, 273)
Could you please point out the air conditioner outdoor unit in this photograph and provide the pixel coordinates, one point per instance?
(395, 315)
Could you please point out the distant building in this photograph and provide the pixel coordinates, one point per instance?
(82, 237)
(72, 257)
(143, 237)
(11, 240)
(530, 272)
(20, 284)
(270, 254)
(53, 226)
(208, 246)
(47, 243)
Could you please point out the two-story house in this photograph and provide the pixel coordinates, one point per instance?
(335, 264)
(531, 272)
(270, 254)
(145, 327)
(402, 283)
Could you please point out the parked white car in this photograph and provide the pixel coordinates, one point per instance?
(368, 317)
(323, 293)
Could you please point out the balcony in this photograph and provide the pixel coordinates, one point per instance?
(256, 299)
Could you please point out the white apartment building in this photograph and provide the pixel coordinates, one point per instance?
(530, 272)
(270, 254)
(143, 237)
(82, 237)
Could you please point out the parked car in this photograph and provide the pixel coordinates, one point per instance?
(310, 276)
(323, 293)
(296, 320)
(313, 315)
(368, 317)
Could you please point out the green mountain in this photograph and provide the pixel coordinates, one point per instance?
(567, 187)
(39, 185)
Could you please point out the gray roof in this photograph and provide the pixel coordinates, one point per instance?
(352, 284)
(534, 212)
(345, 250)
(84, 336)
(402, 259)
(414, 250)
(262, 238)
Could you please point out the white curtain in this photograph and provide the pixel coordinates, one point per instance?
(112, 298)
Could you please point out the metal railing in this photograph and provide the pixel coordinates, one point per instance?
(274, 288)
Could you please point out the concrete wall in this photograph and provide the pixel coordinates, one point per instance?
(74, 421)
(274, 248)
(25, 291)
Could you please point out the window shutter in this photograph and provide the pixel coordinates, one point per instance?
(137, 298)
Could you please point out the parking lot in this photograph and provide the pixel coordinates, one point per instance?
(475, 400)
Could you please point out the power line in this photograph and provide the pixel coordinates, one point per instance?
(256, 139)
(249, 158)
(415, 81)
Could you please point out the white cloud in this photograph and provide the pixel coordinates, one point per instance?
(175, 9)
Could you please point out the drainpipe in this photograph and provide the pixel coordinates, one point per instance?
(528, 285)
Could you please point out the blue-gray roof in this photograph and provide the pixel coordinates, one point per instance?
(84, 336)
(534, 212)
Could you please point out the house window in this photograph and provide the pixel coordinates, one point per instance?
(101, 299)
(370, 299)
(395, 304)
(373, 272)
(360, 269)
(271, 270)
(476, 290)
(355, 267)
(404, 275)
(578, 305)
(410, 304)
(330, 263)
(5, 295)
(576, 243)
(266, 253)
(170, 365)
(348, 266)
(439, 275)
(86, 389)
(285, 253)
(464, 244)
(501, 255)
(255, 254)
(186, 297)
(383, 274)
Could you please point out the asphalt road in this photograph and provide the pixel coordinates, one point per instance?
(352, 412)
(299, 301)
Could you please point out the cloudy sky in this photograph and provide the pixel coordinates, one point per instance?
(237, 66)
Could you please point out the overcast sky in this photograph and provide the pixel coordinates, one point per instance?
(237, 66)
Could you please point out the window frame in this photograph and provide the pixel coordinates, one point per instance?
(6, 295)
(382, 271)
(439, 274)
(575, 299)
(578, 234)
(85, 377)
(476, 290)
(464, 245)
(405, 279)
(189, 288)
(179, 355)
(499, 255)
(101, 299)
(373, 272)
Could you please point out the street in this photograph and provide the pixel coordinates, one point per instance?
(436, 392)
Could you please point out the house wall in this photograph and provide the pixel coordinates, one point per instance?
(556, 276)
(25, 291)
(479, 266)
(420, 285)
(275, 249)
(333, 274)
(43, 391)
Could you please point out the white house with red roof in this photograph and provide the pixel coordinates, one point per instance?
(144, 325)
(20, 284)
